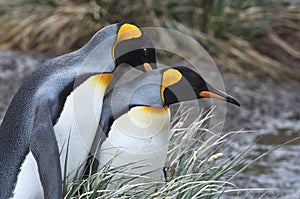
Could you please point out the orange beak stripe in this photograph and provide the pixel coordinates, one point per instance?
(208, 94)
(147, 67)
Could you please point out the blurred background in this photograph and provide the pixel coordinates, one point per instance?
(255, 43)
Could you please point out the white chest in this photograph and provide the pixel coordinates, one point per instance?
(140, 137)
(77, 125)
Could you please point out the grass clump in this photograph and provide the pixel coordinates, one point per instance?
(195, 168)
(45, 28)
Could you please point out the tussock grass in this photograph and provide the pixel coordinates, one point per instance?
(251, 38)
(45, 28)
(195, 168)
(246, 37)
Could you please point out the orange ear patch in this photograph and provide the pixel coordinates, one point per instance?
(170, 77)
(126, 31)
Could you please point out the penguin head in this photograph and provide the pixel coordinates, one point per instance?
(183, 84)
(134, 47)
(166, 86)
(157, 88)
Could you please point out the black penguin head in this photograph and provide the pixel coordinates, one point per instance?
(134, 47)
(183, 84)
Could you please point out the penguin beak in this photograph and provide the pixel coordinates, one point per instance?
(147, 67)
(214, 93)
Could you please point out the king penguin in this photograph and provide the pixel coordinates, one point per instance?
(29, 160)
(135, 119)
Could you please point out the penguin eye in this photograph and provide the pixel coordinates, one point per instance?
(145, 52)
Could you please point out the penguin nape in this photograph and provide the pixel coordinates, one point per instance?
(135, 129)
(29, 153)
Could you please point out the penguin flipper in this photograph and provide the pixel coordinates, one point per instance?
(44, 148)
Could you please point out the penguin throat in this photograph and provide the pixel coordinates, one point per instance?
(148, 121)
(103, 80)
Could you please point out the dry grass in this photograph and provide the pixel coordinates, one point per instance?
(45, 28)
(259, 41)
(252, 37)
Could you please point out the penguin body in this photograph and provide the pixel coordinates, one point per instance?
(28, 143)
(27, 129)
(135, 130)
(69, 139)
(141, 137)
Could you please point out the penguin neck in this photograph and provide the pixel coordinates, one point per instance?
(143, 121)
(102, 80)
(87, 98)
